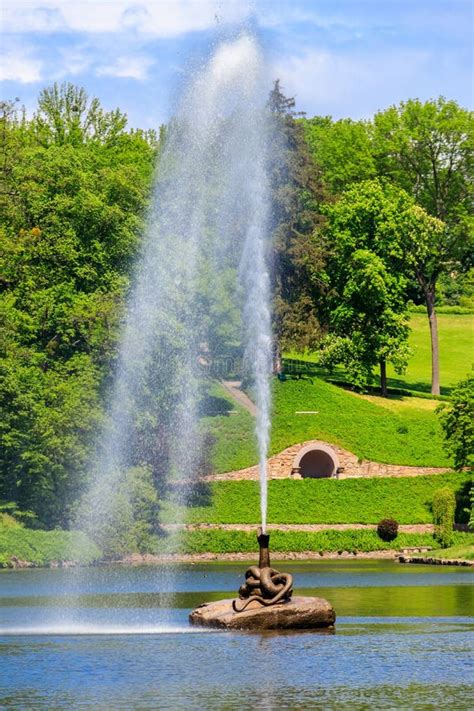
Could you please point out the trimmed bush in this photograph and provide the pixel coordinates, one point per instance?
(444, 506)
(387, 529)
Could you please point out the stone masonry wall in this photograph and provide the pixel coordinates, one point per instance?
(280, 466)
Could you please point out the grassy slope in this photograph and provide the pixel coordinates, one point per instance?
(456, 346)
(44, 547)
(230, 433)
(400, 430)
(403, 431)
(463, 551)
(456, 343)
(215, 541)
(371, 431)
(408, 500)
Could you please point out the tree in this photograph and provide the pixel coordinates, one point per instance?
(367, 271)
(457, 420)
(297, 194)
(342, 150)
(72, 213)
(426, 149)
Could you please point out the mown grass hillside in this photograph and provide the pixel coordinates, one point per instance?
(456, 346)
(312, 501)
(45, 547)
(405, 432)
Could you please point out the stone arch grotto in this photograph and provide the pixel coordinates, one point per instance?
(317, 461)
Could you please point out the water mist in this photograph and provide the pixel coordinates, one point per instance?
(207, 235)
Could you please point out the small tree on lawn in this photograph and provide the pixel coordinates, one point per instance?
(366, 272)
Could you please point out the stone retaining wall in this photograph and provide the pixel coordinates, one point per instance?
(281, 465)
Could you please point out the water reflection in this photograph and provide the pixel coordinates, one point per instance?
(402, 639)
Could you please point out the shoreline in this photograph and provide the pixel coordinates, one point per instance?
(151, 559)
(137, 559)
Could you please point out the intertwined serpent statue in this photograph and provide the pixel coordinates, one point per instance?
(263, 583)
(275, 607)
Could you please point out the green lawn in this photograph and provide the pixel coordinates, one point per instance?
(463, 551)
(397, 431)
(456, 345)
(408, 500)
(45, 547)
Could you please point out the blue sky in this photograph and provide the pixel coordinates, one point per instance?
(338, 57)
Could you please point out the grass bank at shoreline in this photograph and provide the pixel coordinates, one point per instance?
(42, 548)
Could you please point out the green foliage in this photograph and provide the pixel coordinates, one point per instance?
(444, 506)
(457, 421)
(130, 524)
(75, 186)
(387, 529)
(367, 305)
(406, 499)
(219, 541)
(426, 149)
(342, 150)
(297, 193)
(45, 547)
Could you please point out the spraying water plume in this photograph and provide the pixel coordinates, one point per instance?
(206, 244)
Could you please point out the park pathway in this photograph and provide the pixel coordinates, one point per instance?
(233, 388)
(306, 527)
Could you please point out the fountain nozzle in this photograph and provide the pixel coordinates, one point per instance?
(263, 542)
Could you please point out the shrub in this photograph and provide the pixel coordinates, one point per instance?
(457, 421)
(387, 529)
(444, 506)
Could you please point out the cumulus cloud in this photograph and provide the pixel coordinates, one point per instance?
(169, 18)
(328, 82)
(18, 65)
(130, 67)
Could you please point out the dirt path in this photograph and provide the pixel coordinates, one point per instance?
(233, 388)
(314, 527)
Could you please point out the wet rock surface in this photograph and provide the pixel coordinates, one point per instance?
(297, 613)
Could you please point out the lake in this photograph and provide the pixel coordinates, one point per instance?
(118, 638)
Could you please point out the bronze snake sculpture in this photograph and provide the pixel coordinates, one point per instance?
(265, 585)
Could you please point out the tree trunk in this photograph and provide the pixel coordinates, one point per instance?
(383, 378)
(430, 307)
(277, 366)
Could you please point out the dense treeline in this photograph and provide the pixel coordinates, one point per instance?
(367, 215)
(74, 188)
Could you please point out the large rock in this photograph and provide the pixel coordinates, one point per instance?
(298, 613)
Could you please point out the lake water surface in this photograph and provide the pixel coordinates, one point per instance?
(118, 638)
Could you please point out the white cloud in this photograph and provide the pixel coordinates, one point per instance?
(127, 67)
(356, 85)
(17, 65)
(167, 18)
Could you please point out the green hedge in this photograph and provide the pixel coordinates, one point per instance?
(406, 499)
(221, 541)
